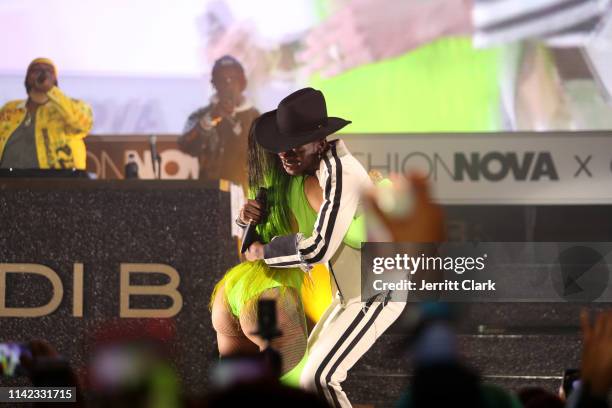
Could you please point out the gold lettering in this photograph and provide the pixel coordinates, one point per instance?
(169, 290)
(36, 269)
(77, 290)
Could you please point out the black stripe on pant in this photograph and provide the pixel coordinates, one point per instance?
(319, 373)
(357, 338)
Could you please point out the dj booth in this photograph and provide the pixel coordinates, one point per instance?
(76, 255)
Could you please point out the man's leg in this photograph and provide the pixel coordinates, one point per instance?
(325, 320)
(342, 342)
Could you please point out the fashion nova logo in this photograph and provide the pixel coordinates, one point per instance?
(473, 166)
(496, 166)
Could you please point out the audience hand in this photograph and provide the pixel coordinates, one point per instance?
(425, 223)
(39, 349)
(597, 353)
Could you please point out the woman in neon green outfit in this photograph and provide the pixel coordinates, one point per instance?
(293, 203)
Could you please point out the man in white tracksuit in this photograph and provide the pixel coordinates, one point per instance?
(296, 131)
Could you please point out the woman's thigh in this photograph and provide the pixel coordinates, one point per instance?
(230, 338)
(290, 320)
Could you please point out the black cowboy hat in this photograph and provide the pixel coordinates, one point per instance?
(300, 118)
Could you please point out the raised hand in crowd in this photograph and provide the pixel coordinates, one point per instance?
(424, 222)
(596, 370)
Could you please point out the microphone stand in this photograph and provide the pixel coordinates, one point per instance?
(158, 160)
(155, 158)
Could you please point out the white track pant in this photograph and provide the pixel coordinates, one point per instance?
(339, 339)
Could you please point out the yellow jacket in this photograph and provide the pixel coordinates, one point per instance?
(61, 125)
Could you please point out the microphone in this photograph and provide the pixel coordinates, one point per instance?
(41, 77)
(216, 120)
(155, 157)
(250, 233)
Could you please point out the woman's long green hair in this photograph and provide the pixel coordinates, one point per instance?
(265, 170)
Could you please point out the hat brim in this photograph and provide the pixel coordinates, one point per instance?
(269, 136)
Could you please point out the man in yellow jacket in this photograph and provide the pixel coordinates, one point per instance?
(45, 131)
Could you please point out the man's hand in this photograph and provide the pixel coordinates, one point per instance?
(361, 32)
(597, 353)
(252, 211)
(44, 83)
(40, 86)
(224, 108)
(255, 252)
